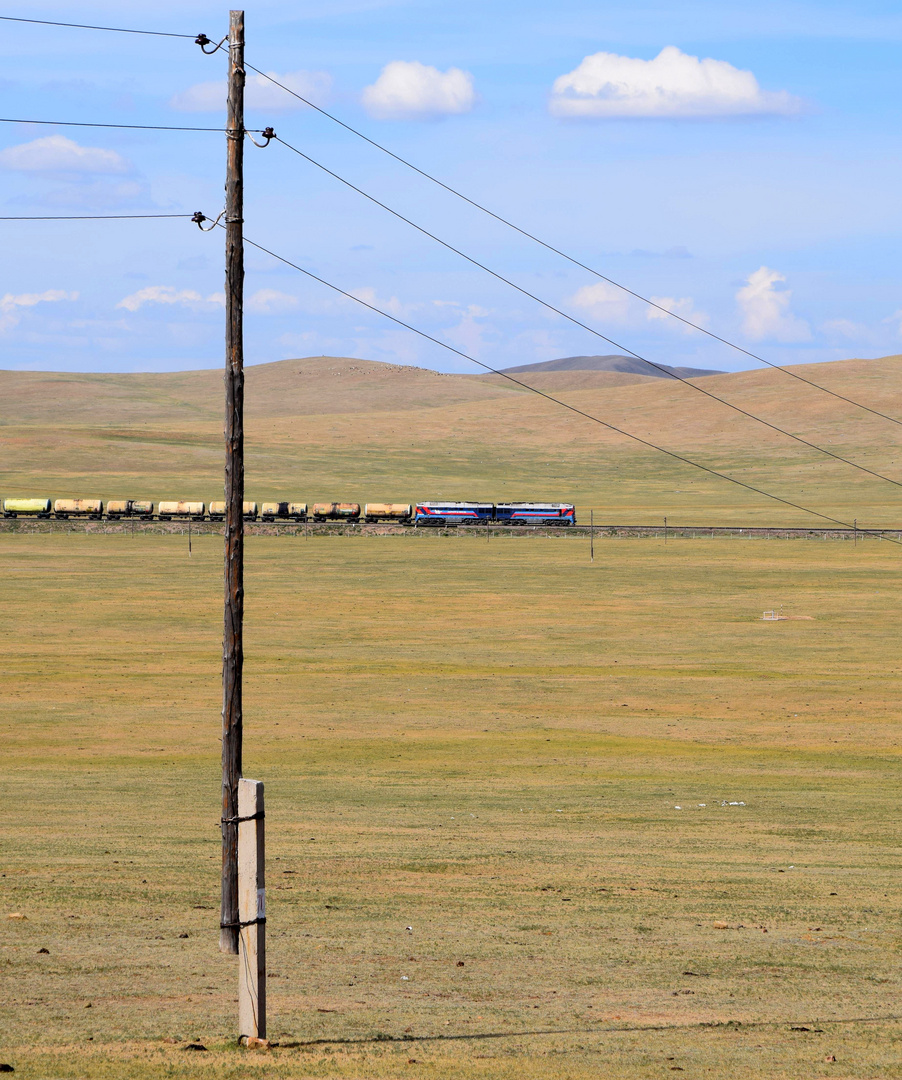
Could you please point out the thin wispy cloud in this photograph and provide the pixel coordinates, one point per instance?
(59, 154)
(683, 306)
(12, 305)
(260, 93)
(169, 294)
(603, 302)
(271, 302)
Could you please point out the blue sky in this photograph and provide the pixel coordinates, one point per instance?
(739, 162)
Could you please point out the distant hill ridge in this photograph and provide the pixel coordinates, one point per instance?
(628, 365)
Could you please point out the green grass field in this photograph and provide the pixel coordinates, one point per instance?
(486, 742)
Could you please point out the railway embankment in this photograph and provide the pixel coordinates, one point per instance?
(26, 526)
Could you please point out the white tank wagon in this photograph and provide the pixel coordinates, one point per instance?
(183, 511)
(283, 511)
(129, 508)
(13, 508)
(397, 512)
(84, 508)
(218, 511)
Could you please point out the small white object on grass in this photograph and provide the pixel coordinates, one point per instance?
(678, 808)
(405, 978)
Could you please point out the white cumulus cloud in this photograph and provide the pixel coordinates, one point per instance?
(11, 303)
(56, 153)
(168, 294)
(259, 92)
(603, 301)
(409, 90)
(765, 309)
(271, 302)
(673, 84)
(684, 307)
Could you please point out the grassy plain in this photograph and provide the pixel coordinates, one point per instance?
(484, 742)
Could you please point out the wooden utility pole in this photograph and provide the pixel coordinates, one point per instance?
(232, 645)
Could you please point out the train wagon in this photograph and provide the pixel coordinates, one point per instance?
(453, 513)
(397, 512)
(336, 511)
(129, 508)
(535, 514)
(86, 508)
(13, 508)
(283, 511)
(218, 511)
(190, 511)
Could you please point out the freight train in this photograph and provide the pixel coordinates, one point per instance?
(434, 514)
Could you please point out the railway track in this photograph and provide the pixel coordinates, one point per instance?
(601, 530)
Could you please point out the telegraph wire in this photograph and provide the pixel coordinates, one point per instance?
(570, 258)
(84, 26)
(550, 397)
(127, 127)
(617, 345)
(203, 40)
(91, 217)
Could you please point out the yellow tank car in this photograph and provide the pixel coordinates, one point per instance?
(336, 511)
(129, 508)
(89, 508)
(26, 508)
(400, 512)
(218, 511)
(194, 511)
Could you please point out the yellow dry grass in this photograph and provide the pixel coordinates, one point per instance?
(486, 742)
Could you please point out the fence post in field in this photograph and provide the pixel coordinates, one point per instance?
(251, 912)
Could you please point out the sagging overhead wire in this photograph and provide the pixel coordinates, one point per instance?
(86, 26)
(571, 259)
(90, 217)
(577, 322)
(557, 401)
(124, 127)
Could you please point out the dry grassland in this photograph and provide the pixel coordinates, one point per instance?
(485, 743)
(326, 428)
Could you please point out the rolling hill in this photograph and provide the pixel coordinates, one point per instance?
(343, 428)
(628, 365)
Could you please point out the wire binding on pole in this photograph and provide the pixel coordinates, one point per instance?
(259, 816)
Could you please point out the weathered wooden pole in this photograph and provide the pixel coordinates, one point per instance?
(232, 645)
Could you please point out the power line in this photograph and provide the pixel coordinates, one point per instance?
(84, 26)
(570, 258)
(617, 345)
(127, 127)
(91, 217)
(550, 397)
